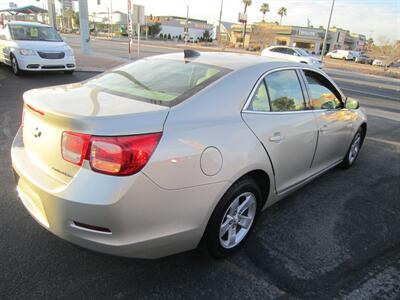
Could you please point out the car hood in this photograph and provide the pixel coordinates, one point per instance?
(43, 45)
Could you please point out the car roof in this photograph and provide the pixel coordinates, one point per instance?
(27, 23)
(232, 61)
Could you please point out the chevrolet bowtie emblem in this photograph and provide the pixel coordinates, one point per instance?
(37, 133)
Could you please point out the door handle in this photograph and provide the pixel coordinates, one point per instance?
(324, 128)
(276, 138)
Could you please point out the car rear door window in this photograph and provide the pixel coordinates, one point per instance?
(260, 101)
(323, 94)
(285, 91)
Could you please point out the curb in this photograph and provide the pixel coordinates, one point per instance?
(90, 69)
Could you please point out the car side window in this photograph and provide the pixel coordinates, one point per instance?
(277, 49)
(285, 91)
(290, 51)
(323, 94)
(260, 101)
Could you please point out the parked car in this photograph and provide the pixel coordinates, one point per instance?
(152, 157)
(363, 59)
(292, 54)
(29, 46)
(341, 54)
(380, 62)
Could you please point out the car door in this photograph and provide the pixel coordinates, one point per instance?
(2, 44)
(334, 122)
(281, 52)
(278, 115)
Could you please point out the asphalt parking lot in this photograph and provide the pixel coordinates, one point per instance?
(338, 237)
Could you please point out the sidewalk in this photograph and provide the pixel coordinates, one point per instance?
(96, 62)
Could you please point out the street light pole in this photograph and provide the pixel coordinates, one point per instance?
(219, 23)
(51, 13)
(326, 31)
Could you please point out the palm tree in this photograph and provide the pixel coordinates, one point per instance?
(264, 9)
(246, 3)
(282, 12)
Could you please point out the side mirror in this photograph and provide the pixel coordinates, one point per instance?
(351, 103)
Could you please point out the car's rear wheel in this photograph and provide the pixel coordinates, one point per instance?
(354, 149)
(14, 65)
(234, 217)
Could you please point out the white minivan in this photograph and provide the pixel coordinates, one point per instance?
(29, 46)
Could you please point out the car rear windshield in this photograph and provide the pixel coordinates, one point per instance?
(34, 33)
(159, 81)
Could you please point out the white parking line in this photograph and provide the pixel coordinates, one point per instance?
(393, 143)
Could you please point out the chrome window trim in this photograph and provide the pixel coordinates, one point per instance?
(250, 97)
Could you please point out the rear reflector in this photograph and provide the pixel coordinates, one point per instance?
(123, 155)
(92, 227)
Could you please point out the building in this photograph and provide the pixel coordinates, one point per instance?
(116, 18)
(66, 4)
(175, 26)
(263, 34)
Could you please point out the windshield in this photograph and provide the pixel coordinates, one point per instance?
(34, 33)
(159, 81)
(302, 52)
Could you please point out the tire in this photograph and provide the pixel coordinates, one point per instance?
(14, 66)
(69, 72)
(227, 217)
(354, 149)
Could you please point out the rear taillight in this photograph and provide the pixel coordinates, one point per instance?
(125, 155)
(74, 146)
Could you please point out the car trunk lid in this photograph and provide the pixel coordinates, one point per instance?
(48, 112)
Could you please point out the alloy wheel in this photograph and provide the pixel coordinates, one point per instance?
(237, 220)
(355, 147)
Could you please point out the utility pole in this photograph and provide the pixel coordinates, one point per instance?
(84, 26)
(219, 23)
(245, 25)
(187, 24)
(326, 31)
(111, 19)
(52, 13)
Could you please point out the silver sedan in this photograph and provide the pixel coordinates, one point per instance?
(153, 157)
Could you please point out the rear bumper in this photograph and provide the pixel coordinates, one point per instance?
(144, 220)
(36, 63)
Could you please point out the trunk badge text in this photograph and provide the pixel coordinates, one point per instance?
(37, 133)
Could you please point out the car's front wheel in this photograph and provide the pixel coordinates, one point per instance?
(233, 218)
(354, 149)
(14, 65)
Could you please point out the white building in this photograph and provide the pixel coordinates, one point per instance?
(175, 26)
(116, 17)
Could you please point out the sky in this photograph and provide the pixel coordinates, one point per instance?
(376, 18)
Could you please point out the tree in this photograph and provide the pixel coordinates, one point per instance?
(180, 37)
(206, 35)
(246, 4)
(169, 36)
(161, 36)
(387, 50)
(264, 9)
(282, 12)
(154, 29)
